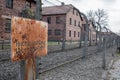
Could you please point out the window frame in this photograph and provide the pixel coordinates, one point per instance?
(28, 4)
(74, 22)
(49, 32)
(70, 33)
(9, 4)
(70, 21)
(78, 34)
(57, 20)
(74, 33)
(49, 20)
(7, 25)
(57, 32)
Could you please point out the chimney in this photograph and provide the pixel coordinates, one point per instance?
(62, 3)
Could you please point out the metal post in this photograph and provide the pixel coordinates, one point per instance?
(104, 52)
(90, 37)
(80, 44)
(38, 17)
(96, 36)
(38, 10)
(64, 36)
(100, 38)
(30, 69)
(22, 71)
(85, 49)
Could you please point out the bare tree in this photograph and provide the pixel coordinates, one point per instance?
(100, 16)
(91, 15)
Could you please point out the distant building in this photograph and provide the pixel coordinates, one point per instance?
(10, 8)
(92, 32)
(64, 21)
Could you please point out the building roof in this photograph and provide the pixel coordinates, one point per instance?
(62, 9)
(31, 1)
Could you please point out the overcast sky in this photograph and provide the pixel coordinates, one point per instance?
(111, 6)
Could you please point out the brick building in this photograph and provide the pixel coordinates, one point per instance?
(64, 21)
(92, 32)
(10, 8)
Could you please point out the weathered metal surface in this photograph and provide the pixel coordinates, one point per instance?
(29, 38)
(30, 67)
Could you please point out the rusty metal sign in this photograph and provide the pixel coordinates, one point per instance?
(29, 38)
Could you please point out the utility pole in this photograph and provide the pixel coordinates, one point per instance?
(38, 16)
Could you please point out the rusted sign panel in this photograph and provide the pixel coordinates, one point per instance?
(29, 38)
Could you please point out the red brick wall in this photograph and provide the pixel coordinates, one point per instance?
(65, 20)
(93, 33)
(54, 26)
(17, 8)
(72, 27)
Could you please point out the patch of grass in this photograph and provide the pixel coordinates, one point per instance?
(53, 43)
(118, 53)
(5, 47)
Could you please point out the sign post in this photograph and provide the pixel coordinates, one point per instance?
(29, 40)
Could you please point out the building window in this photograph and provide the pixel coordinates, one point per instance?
(70, 21)
(9, 4)
(76, 13)
(70, 33)
(74, 33)
(74, 22)
(7, 25)
(57, 20)
(49, 32)
(73, 11)
(49, 20)
(78, 23)
(57, 32)
(78, 34)
(28, 4)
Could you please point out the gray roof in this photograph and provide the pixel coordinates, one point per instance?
(62, 9)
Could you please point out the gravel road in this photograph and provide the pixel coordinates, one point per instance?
(82, 69)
